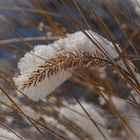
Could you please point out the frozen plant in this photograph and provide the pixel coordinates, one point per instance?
(48, 66)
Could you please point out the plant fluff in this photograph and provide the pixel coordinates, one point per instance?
(48, 66)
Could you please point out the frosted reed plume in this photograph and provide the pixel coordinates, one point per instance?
(48, 66)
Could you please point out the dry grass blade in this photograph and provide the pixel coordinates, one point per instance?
(28, 39)
(1, 123)
(34, 122)
(22, 111)
(89, 117)
(55, 29)
(122, 119)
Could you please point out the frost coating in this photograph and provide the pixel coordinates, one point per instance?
(42, 53)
